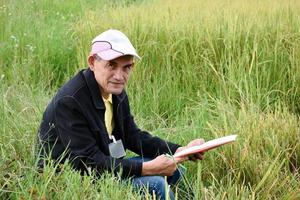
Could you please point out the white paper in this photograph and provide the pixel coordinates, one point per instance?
(206, 146)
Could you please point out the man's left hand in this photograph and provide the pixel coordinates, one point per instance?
(196, 156)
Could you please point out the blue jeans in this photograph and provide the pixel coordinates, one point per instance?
(157, 184)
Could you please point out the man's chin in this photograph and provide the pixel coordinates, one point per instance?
(116, 92)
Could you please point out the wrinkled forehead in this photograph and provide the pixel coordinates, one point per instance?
(125, 58)
(122, 60)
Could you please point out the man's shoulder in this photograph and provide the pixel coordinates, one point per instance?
(74, 86)
(82, 89)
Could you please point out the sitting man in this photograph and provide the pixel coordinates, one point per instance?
(89, 122)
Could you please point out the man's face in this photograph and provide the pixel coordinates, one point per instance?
(112, 75)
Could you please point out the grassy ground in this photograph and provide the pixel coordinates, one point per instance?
(209, 68)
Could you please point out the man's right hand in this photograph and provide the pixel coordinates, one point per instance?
(161, 165)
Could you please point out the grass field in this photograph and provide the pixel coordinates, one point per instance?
(208, 69)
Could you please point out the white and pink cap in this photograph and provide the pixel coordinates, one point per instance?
(112, 44)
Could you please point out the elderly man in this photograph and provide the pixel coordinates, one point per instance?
(89, 122)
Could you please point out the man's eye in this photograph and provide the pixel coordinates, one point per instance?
(110, 65)
(128, 68)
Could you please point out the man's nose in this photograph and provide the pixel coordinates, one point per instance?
(118, 74)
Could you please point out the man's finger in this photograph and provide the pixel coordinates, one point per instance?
(200, 156)
(195, 157)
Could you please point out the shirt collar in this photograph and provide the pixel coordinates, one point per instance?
(109, 99)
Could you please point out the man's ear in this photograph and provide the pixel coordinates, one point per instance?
(91, 61)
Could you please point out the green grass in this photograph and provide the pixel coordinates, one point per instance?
(208, 69)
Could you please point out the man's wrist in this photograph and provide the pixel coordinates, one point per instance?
(147, 168)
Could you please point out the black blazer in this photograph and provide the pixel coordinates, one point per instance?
(73, 128)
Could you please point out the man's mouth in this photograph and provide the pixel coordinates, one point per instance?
(115, 83)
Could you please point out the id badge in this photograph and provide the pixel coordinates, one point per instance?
(116, 149)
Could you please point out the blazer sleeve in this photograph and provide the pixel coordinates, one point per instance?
(74, 132)
(142, 142)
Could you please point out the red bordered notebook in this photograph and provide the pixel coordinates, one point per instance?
(206, 146)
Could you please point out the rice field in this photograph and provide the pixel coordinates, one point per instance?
(208, 69)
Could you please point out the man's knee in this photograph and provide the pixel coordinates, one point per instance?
(154, 184)
(158, 186)
(159, 181)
